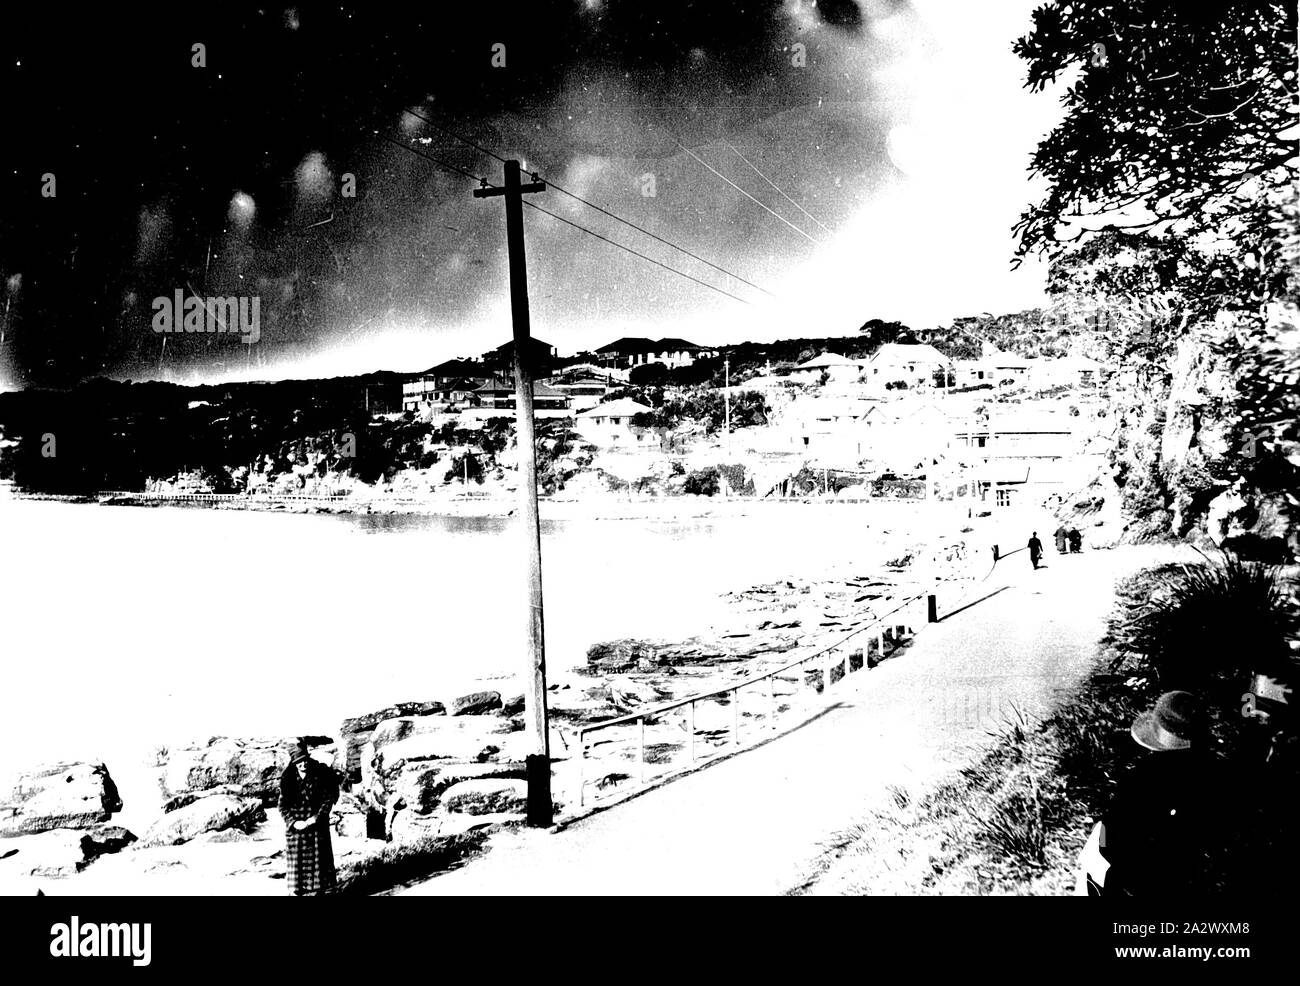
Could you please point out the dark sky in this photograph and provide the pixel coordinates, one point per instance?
(227, 178)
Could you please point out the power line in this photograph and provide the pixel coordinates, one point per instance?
(745, 193)
(776, 186)
(593, 205)
(452, 133)
(637, 253)
(429, 157)
(653, 236)
(486, 184)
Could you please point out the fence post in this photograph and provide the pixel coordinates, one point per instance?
(932, 609)
(582, 770)
(771, 694)
(995, 554)
(735, 716)
(641, 770)
(691, 722)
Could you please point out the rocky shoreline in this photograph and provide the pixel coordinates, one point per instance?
(611, 507)
(420, 771)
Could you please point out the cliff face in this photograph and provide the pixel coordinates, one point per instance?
(1176, 468)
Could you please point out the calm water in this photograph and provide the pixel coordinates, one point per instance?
(123, 627)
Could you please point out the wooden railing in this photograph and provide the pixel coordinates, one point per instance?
(911, 613)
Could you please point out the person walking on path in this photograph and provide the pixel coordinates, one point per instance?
(308, 791)
(1035, 549)
(1155, 833)
(1060, 539)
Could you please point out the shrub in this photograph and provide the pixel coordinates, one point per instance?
(1208, 624)
(702, 482)
(648, 375)
(466, 464)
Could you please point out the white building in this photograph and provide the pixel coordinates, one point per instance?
(610, 425)
(838, 369)
(1013, 456)
(913, 364)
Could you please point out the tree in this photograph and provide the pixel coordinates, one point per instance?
(1174, 119)
(648, 375)
(1171, 212)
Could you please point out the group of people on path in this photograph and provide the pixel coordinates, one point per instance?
(1066, 540)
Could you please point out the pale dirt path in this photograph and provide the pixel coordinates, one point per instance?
(756, 823)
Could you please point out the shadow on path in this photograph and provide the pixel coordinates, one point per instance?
(973, 602)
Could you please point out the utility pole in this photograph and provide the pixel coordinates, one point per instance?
(540, 807)
(726, 396)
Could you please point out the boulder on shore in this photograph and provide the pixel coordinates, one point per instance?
(472, 739)
(248, 768)
(475, 704)
(59, 852)
(354, 733)
(420, 785)
(487, 797)
(61, 795)
(433, 754)
(215, 813)
(348, 817)
(646, 655)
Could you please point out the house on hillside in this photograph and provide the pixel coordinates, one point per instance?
(828, 430)
(631, 351)
(1008, 370)
(541, 357)
(838, 369)
(421, 390)
(496, 398)
(905, 435)
(1018, 455)
(584, 390)
(610, 425)
(914, 364)
(1074, 371)
(972, 373)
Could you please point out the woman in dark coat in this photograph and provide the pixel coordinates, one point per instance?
(307, 792)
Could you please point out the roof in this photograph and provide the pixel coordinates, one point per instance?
(824, 408)
(1031, 422)
(908, 352)
(458, 368)
(624, 407)
(499, 385)
(536, 344)
(628, 344)
(1076, 363)
(640, 344)
(829, 359)
(670, 344)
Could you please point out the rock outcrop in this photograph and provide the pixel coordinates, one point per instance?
(354, 733)
(411, 761)
(57, 796)
(487, 797)
(215, 813)
(646, 655)
(60, 852)
(248, 768)
(475, 704)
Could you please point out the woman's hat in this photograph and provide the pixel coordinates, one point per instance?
(1172, 725)
(299, 753)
